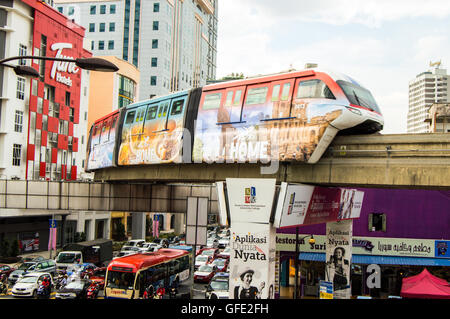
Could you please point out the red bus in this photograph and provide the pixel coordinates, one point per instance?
(129, 276)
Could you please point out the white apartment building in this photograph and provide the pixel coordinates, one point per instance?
(172, 42)
(432, 86)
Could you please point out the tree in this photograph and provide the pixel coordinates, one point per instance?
(120, 232)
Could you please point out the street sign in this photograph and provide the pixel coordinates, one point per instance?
(326, 289)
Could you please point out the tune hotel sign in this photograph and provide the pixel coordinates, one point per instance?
(61, 70)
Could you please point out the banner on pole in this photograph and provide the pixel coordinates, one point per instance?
(338, 257)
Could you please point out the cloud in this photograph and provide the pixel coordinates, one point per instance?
(371, 13)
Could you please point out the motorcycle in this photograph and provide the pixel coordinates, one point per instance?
(3, 288)
(173, 293)
(43, 292)
(92, 291)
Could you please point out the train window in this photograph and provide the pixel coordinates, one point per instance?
(275, 92)
(256, 96)
(177, 107)
(212, 101)
(229, 98)
(130, 117)
(151, 113)
(237, 98)
(105, 131)
(314, 89)
(163, 109)
(285, 92)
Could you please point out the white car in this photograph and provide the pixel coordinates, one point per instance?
(149, 247)
(201, 260)
(224, 242)
(27, 285)
(134, 243)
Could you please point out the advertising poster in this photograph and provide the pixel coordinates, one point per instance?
(101, 149)
(306, 205)
(250, 199)
(350, 203)
(266, 128)
(252, 242)
(325, 290)
(153, 133)
(252, 261)
(339, 257)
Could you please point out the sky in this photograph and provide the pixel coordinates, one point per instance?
(383, 44)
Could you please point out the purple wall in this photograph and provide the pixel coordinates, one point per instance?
(420, 214)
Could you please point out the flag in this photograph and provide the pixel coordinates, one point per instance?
(52, 239)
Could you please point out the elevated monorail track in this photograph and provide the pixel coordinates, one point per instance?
(394, 161)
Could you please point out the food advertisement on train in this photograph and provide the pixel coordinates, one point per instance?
(152, 134)
(264, 132)
(101, 150)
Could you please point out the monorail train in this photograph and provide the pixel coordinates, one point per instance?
(290, 116)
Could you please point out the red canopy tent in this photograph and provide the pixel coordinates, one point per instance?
(425, 285)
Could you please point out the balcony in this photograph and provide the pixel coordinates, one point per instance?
(206, 5)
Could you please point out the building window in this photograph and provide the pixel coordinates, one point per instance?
(112, 27)
(71, 11)
(20, 93)
(102, 27)
(154, 62)
(153, 80)
(102, 9)
(18, 122)
(17, 150)
(67, 98)
(22, 52)
(101, 45)
(154, 43)
(156, 7)
(43, 52)
(60, 9)
(112, 9)
(155, 25)
(92, 45)
(111, 45)
(91, 27)
(93, 9)
(377, 222)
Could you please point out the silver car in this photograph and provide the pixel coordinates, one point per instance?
(28, 285)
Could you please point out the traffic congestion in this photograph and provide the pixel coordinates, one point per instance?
(72, 277)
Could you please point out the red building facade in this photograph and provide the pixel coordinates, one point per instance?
(54, 108)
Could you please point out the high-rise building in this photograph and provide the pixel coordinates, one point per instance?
(172, 42)
(42, 131)
(432, 86)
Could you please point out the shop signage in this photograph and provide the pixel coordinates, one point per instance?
(60, 66)
(374, 246)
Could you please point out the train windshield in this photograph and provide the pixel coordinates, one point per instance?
(358, 95)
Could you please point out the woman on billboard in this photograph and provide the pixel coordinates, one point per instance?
(245, 290)
(339, 264)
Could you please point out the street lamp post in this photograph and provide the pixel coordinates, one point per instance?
(297, 255)
(92, 64)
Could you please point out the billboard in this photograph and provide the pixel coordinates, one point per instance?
(252, 242)
(252, 263)
(305, 205)
(250, 199)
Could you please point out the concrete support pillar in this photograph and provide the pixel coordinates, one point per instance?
(137, 225)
